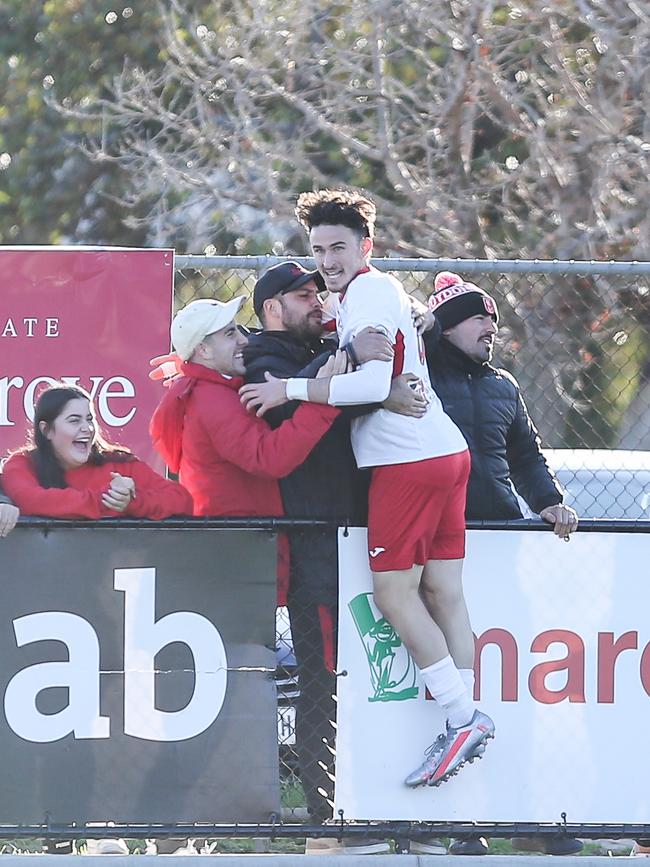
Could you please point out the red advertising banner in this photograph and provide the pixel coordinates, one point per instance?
(91, 317)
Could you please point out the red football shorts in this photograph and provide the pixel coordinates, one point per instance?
(416, 512)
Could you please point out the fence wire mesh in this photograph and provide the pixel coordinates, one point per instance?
(575, 336)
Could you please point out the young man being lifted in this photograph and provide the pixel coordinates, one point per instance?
(420, 466)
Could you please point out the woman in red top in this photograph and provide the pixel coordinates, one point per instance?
(70, 471)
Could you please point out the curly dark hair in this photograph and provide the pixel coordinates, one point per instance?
(337, 208)
(49, 406)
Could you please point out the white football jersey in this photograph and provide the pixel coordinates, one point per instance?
(383, 437)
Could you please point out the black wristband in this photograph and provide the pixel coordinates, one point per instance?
(352, 355)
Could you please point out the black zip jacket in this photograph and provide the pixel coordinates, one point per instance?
(486, 404)
(328, 484)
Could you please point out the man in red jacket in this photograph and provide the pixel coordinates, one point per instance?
(228, 459)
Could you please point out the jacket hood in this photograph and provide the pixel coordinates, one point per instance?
(168, 421)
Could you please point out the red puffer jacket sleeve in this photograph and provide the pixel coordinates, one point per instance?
(155, 497)
(247, 441)
(21, 484)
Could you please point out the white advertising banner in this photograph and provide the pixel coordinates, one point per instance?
(562, 666)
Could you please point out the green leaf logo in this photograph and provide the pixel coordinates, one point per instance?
(392, 671)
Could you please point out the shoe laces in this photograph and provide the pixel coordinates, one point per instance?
(437, 746)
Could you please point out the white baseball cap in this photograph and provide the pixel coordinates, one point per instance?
(198, 319)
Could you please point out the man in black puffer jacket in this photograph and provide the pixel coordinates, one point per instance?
(327, 485)
(486, 404)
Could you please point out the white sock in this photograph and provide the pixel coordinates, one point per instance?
(444, 682)
(467, 675)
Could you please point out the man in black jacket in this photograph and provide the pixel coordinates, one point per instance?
(327, 485)
(486, 404)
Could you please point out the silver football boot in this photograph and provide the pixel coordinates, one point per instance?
(451, 750)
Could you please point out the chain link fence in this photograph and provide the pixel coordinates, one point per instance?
(575, 336)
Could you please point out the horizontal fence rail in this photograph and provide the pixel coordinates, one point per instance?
(283, 524)
(337, 830)
(465, 266)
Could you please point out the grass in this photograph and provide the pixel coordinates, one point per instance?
(292, 794)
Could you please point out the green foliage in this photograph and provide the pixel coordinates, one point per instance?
(50, 192)
(292, 794)
(608, 383)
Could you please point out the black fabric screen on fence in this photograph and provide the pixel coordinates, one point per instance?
(136, 674)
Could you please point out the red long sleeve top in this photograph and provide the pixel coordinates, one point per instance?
(228, 458)
(155, 497)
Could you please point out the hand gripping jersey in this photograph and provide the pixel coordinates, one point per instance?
(383, 437)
